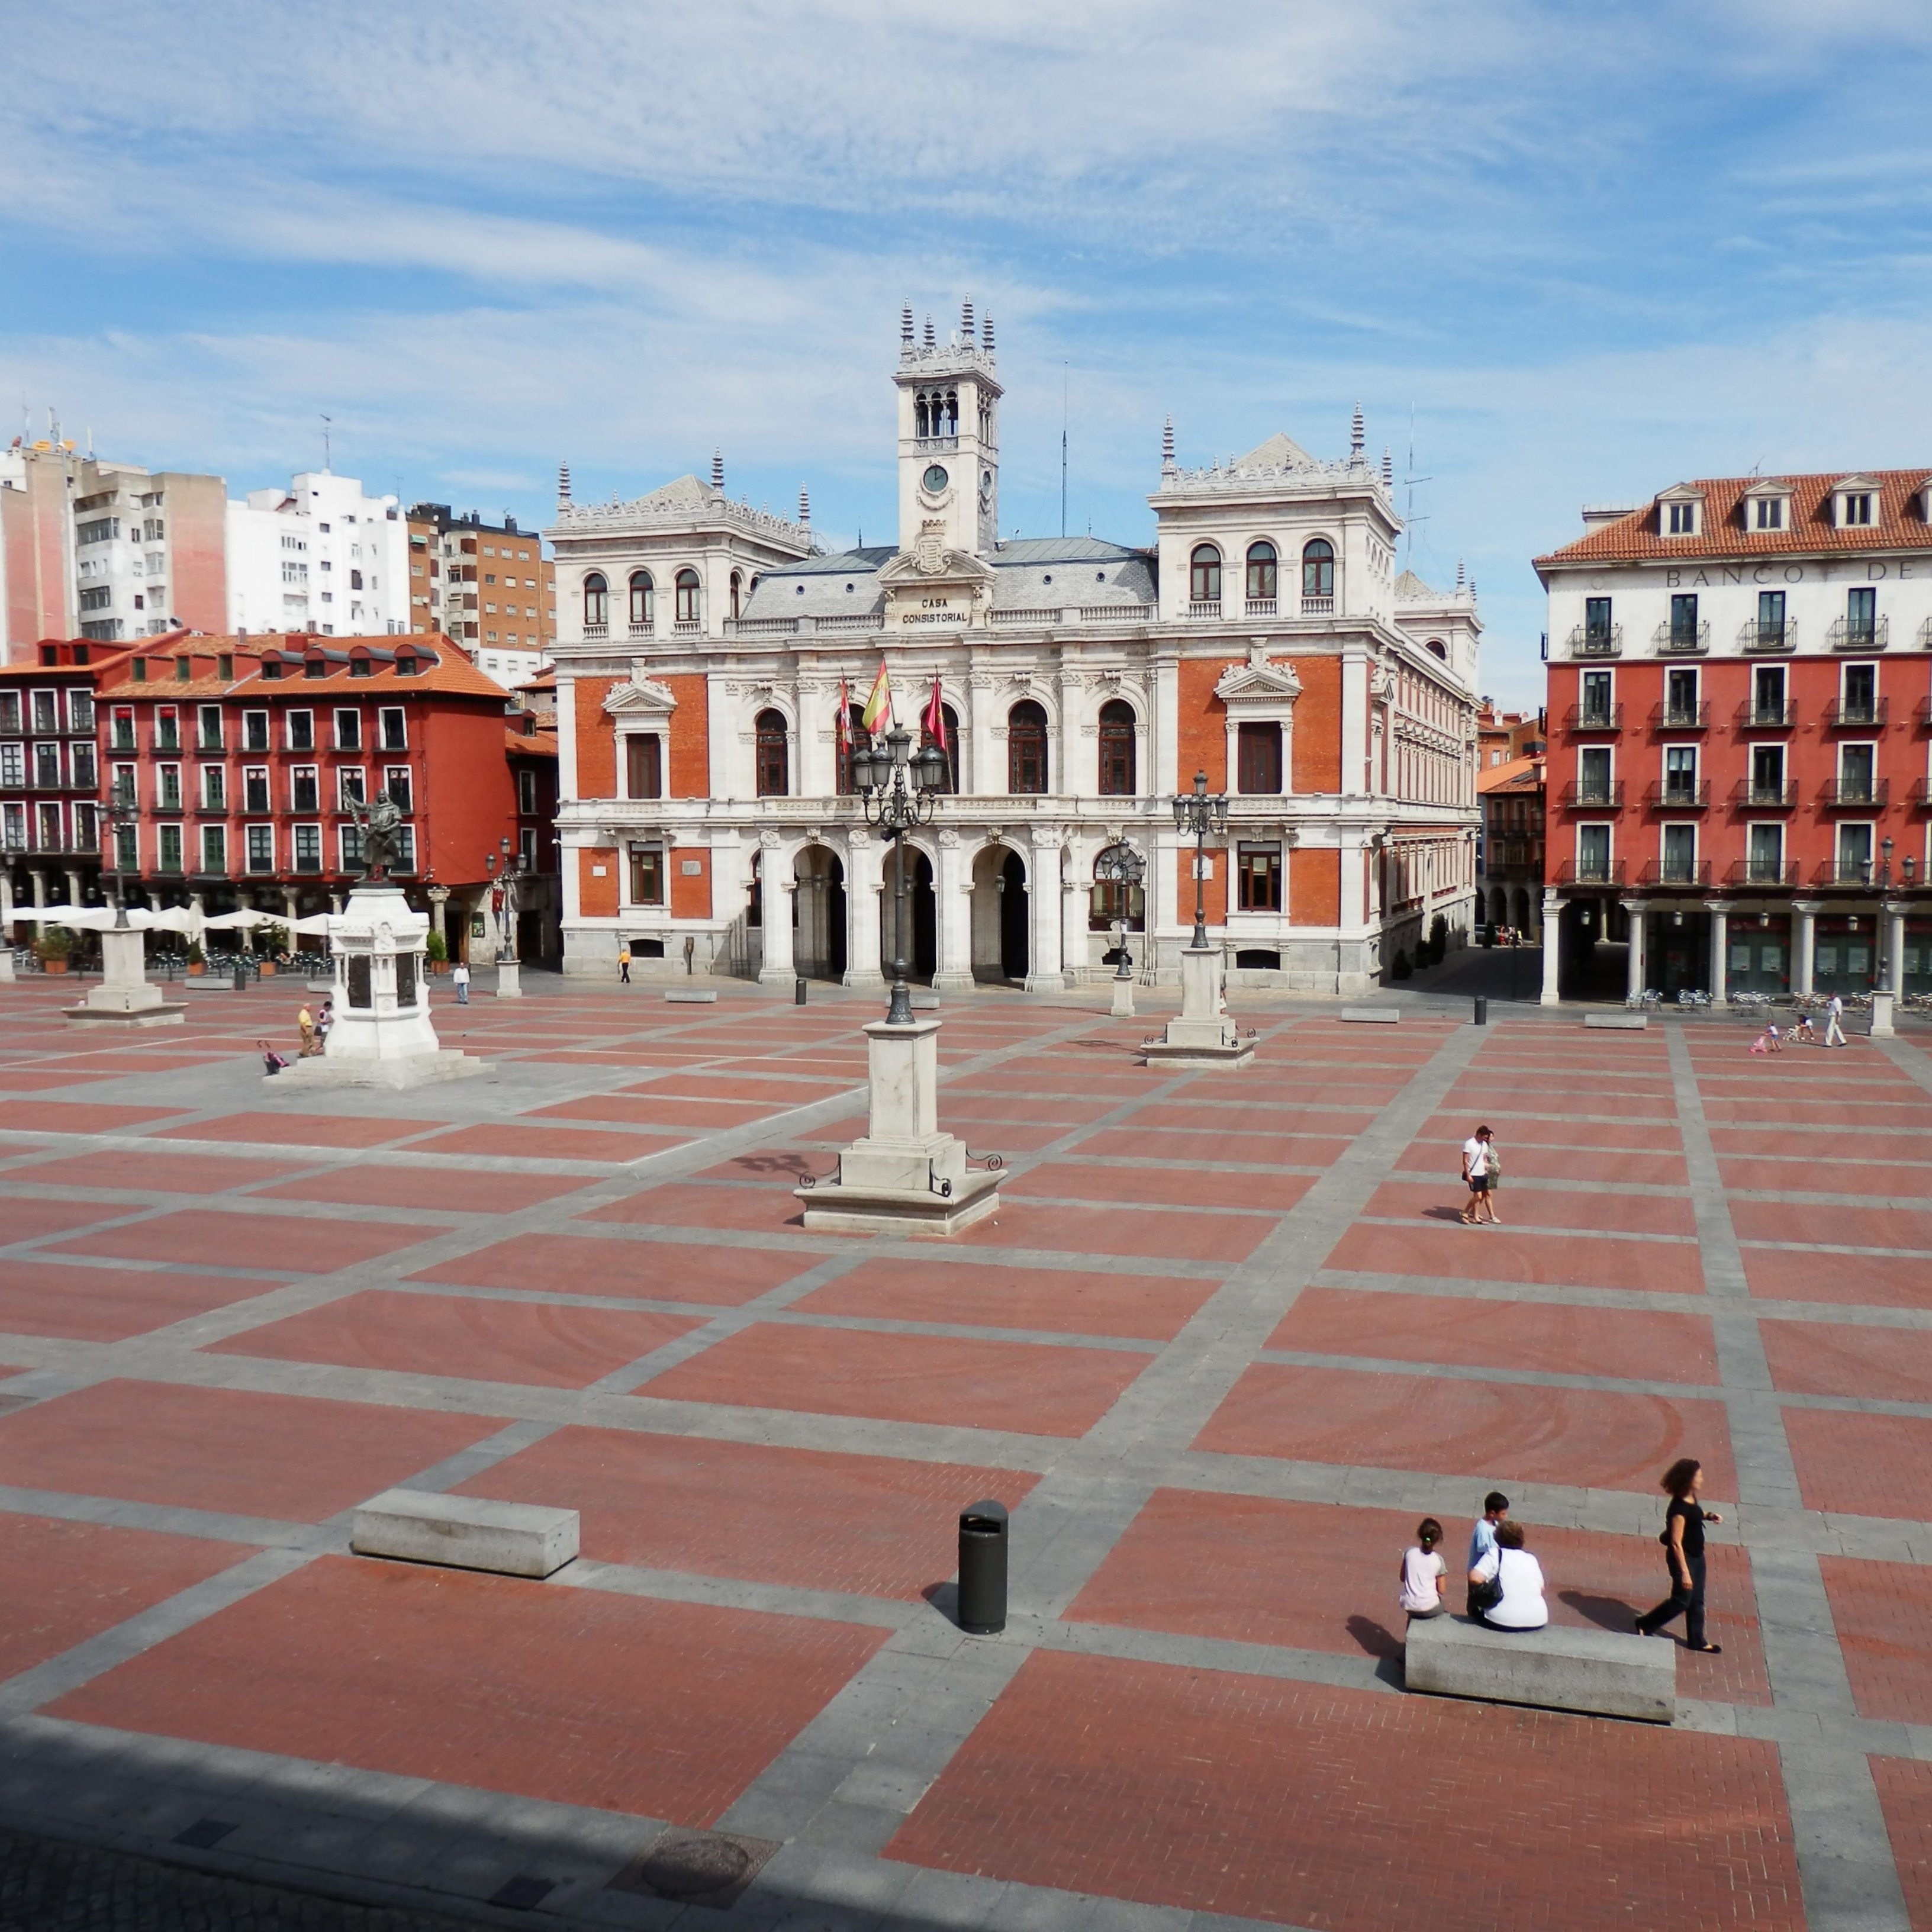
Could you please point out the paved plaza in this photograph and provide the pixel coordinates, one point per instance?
(1223, 1344)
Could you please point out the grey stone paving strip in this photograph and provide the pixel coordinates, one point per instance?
(1844, 1853)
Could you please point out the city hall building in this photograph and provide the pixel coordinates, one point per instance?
(705, 651)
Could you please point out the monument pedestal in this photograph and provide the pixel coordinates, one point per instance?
(1202, 1034)
(1123, 997)
(904, 1176)
(1882, 1027)
(382, 1036)
(124, 998)
(509, 979)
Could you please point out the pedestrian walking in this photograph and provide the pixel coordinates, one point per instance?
(1508, 1582)
(1478, 1152)
(1835, 1034)
(1683, 1540)
(325, 1023)
(1424, 1574)
(1483, 1539)
(305, 1026)
(459, 978)
(624, 963)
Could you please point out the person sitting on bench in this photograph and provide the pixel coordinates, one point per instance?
(1507, 1584)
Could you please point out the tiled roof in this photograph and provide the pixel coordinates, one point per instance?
(536, 744)
(1634, 538)
(451, 673)
(1519, 774)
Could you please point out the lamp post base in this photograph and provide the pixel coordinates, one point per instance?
(1882, 1026)
(1123, 999)
(1200, 1034)
(837, 1208)
(509, 979)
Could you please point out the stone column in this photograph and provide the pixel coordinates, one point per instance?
(1075, 899)
(1553, 947)
(1891, 942)
(952, 886)
(1720, 959)
(1804, 914)
(40, 899)
(1636, 910)
(778, 893)
(864, 870)
(6, 906)
(290, 899)
(73, 888)
(1046, 973)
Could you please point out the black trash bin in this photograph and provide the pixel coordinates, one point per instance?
(1482, 1010)
(798, 990)
(241, 978)
(982, 1567)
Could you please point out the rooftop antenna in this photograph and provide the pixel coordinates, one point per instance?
(1064, 382)
(1410, 480)
(326, 422)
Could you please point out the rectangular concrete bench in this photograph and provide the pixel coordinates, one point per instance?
(1557, 1668)
(691, 999)
(1372, 1015)
(465, 1532)
(1617, 1022)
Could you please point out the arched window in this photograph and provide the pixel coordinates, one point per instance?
(737, 588)
(1204, 575)
(1318, 567)
(596, 599)
(1026, 748)
(1436, 646)
(774, 759)
(687, 597)
(1260, 570)
(643, 601)
(1117, 749)
(951, 747)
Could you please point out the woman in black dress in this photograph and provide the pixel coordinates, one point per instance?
(1683, 1540)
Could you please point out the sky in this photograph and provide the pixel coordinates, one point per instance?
(1565, 254)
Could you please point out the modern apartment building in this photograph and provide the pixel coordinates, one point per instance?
(1740, 713)
(488, 586)
(321, 557)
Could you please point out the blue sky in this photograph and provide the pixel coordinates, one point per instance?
(1594, 249)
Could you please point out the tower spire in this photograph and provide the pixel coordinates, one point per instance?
(804, 505)
(905, 324)
(1388, 469)
(986, 332)
(718, 470)
(563, 485)
(966, 320)
(1167, 444)
(931, 341)
(1355, 436)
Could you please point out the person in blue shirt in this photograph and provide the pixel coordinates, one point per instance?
(1483, 1540)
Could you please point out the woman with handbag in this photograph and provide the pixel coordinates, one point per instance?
(1683, 1540)
(1507, 1585)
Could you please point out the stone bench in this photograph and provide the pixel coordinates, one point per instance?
(1617, 1022)
(465, 1532)
(1372, 1015)
(691, 999)
(1559, 1667)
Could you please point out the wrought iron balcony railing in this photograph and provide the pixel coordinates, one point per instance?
(1680, 717)
(1867, 715)
(1856, 634)
(1596, 640)
(1762, 872)
(1593, 717)
(1756, 717)
(1662, 795)
(1856, 794)
(1756, 636)
(1675, 872)
(1585, 797)
(1765, 797)
(1682, 640)
(1586, 872)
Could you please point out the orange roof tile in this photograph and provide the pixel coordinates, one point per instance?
(451, 673)
(1525, 773)
(1635, 537)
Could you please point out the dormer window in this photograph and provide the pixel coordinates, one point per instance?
(1857, 510)
(1855, 502)
(1766, 513)
(1681, 514)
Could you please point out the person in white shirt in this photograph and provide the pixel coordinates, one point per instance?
(1423, 1572)
(1477, 1164)
(459, 978)
(1521, 1606)
(1835, 1034)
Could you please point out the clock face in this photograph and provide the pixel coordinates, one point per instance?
(936, 479)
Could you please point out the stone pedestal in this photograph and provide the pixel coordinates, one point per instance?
(382, 1036)
(509, 979)
(1881, 1019)
(125, 997)
(1202, 1035)
(1123, 997)
(6, 957)
(904, 1176)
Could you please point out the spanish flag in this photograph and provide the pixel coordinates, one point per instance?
(880, 704)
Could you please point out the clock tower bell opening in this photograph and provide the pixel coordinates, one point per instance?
(949, 400)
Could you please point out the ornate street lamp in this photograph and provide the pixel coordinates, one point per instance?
(897, 790)
(1120, 866)
(1199, 812)
(119, 812)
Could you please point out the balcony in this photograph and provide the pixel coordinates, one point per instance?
(1583, 872)
(1838, 872)
(1664, 796)
(1755, 637)
(1764, 797)
(1261, 607)
(1593, 797)
(1205, 607)
(1680, 718)
(688, 627)
(1925, 635)
(1852, 634)
(1922, 717)
(1595, 641)
(1762, 872)
(596, 633)
(1593, 717)
(1755, 717)
(1688, 873)
(1868, 715)
(649, 630)
(1318, 607)
(1860, 795)
(1682, 640)
(1921, 796)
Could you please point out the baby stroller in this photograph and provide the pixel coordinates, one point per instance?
(271, 1059)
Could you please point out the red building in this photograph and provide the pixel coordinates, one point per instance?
(1740, 711)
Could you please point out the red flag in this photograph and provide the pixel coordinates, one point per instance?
(933, 727)
(845, 721)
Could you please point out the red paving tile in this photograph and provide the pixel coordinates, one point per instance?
(1314, 1806)
(1504, 1432)
(547, 1345)
(24, 1080)
(492, 1683)
(1899, 1180)
(777, 1096)
(811, 1521)
(1883, 1614)
(771, 1209)
(1905, 1796)
(1521, 1255)
(297, 1458)
(1496, 1104)
(1879, 1281)
(1571, 1207)
(80, 1117)
(632, 1110)
(1321, 1576)
(157, 1173)
(303, 1244)
(1175, 1186)
(447, 1191)
(1839, 1358)
(1151, 1234)
(297, 1129)
(779, 1166)
(1539, 1131)
(1862, 1465)
(1800, 1111)
(96, 1304)
(67, 1582)
(1037, 1389)
(1259, 1150)
(1057, 1110)
(1838, 1225)
(523, 1141)
(1601, 1164)
(1533, 1335)
(630, 1270)
(23, 1219)
(1253, 1120)
(1058, 1301)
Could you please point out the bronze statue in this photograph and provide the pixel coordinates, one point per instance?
(380, 823)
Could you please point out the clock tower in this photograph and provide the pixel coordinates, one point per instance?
(949, 438)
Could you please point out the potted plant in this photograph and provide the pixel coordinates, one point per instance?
(54, 948)
(435, 950)
(269, 940)
(197, 960)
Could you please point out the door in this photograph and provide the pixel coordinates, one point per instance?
(1015, 952)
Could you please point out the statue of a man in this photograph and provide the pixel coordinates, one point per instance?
(381, 825)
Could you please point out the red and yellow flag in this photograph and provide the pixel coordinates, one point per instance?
(880, 704)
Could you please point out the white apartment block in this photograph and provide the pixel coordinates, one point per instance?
(320, 556)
